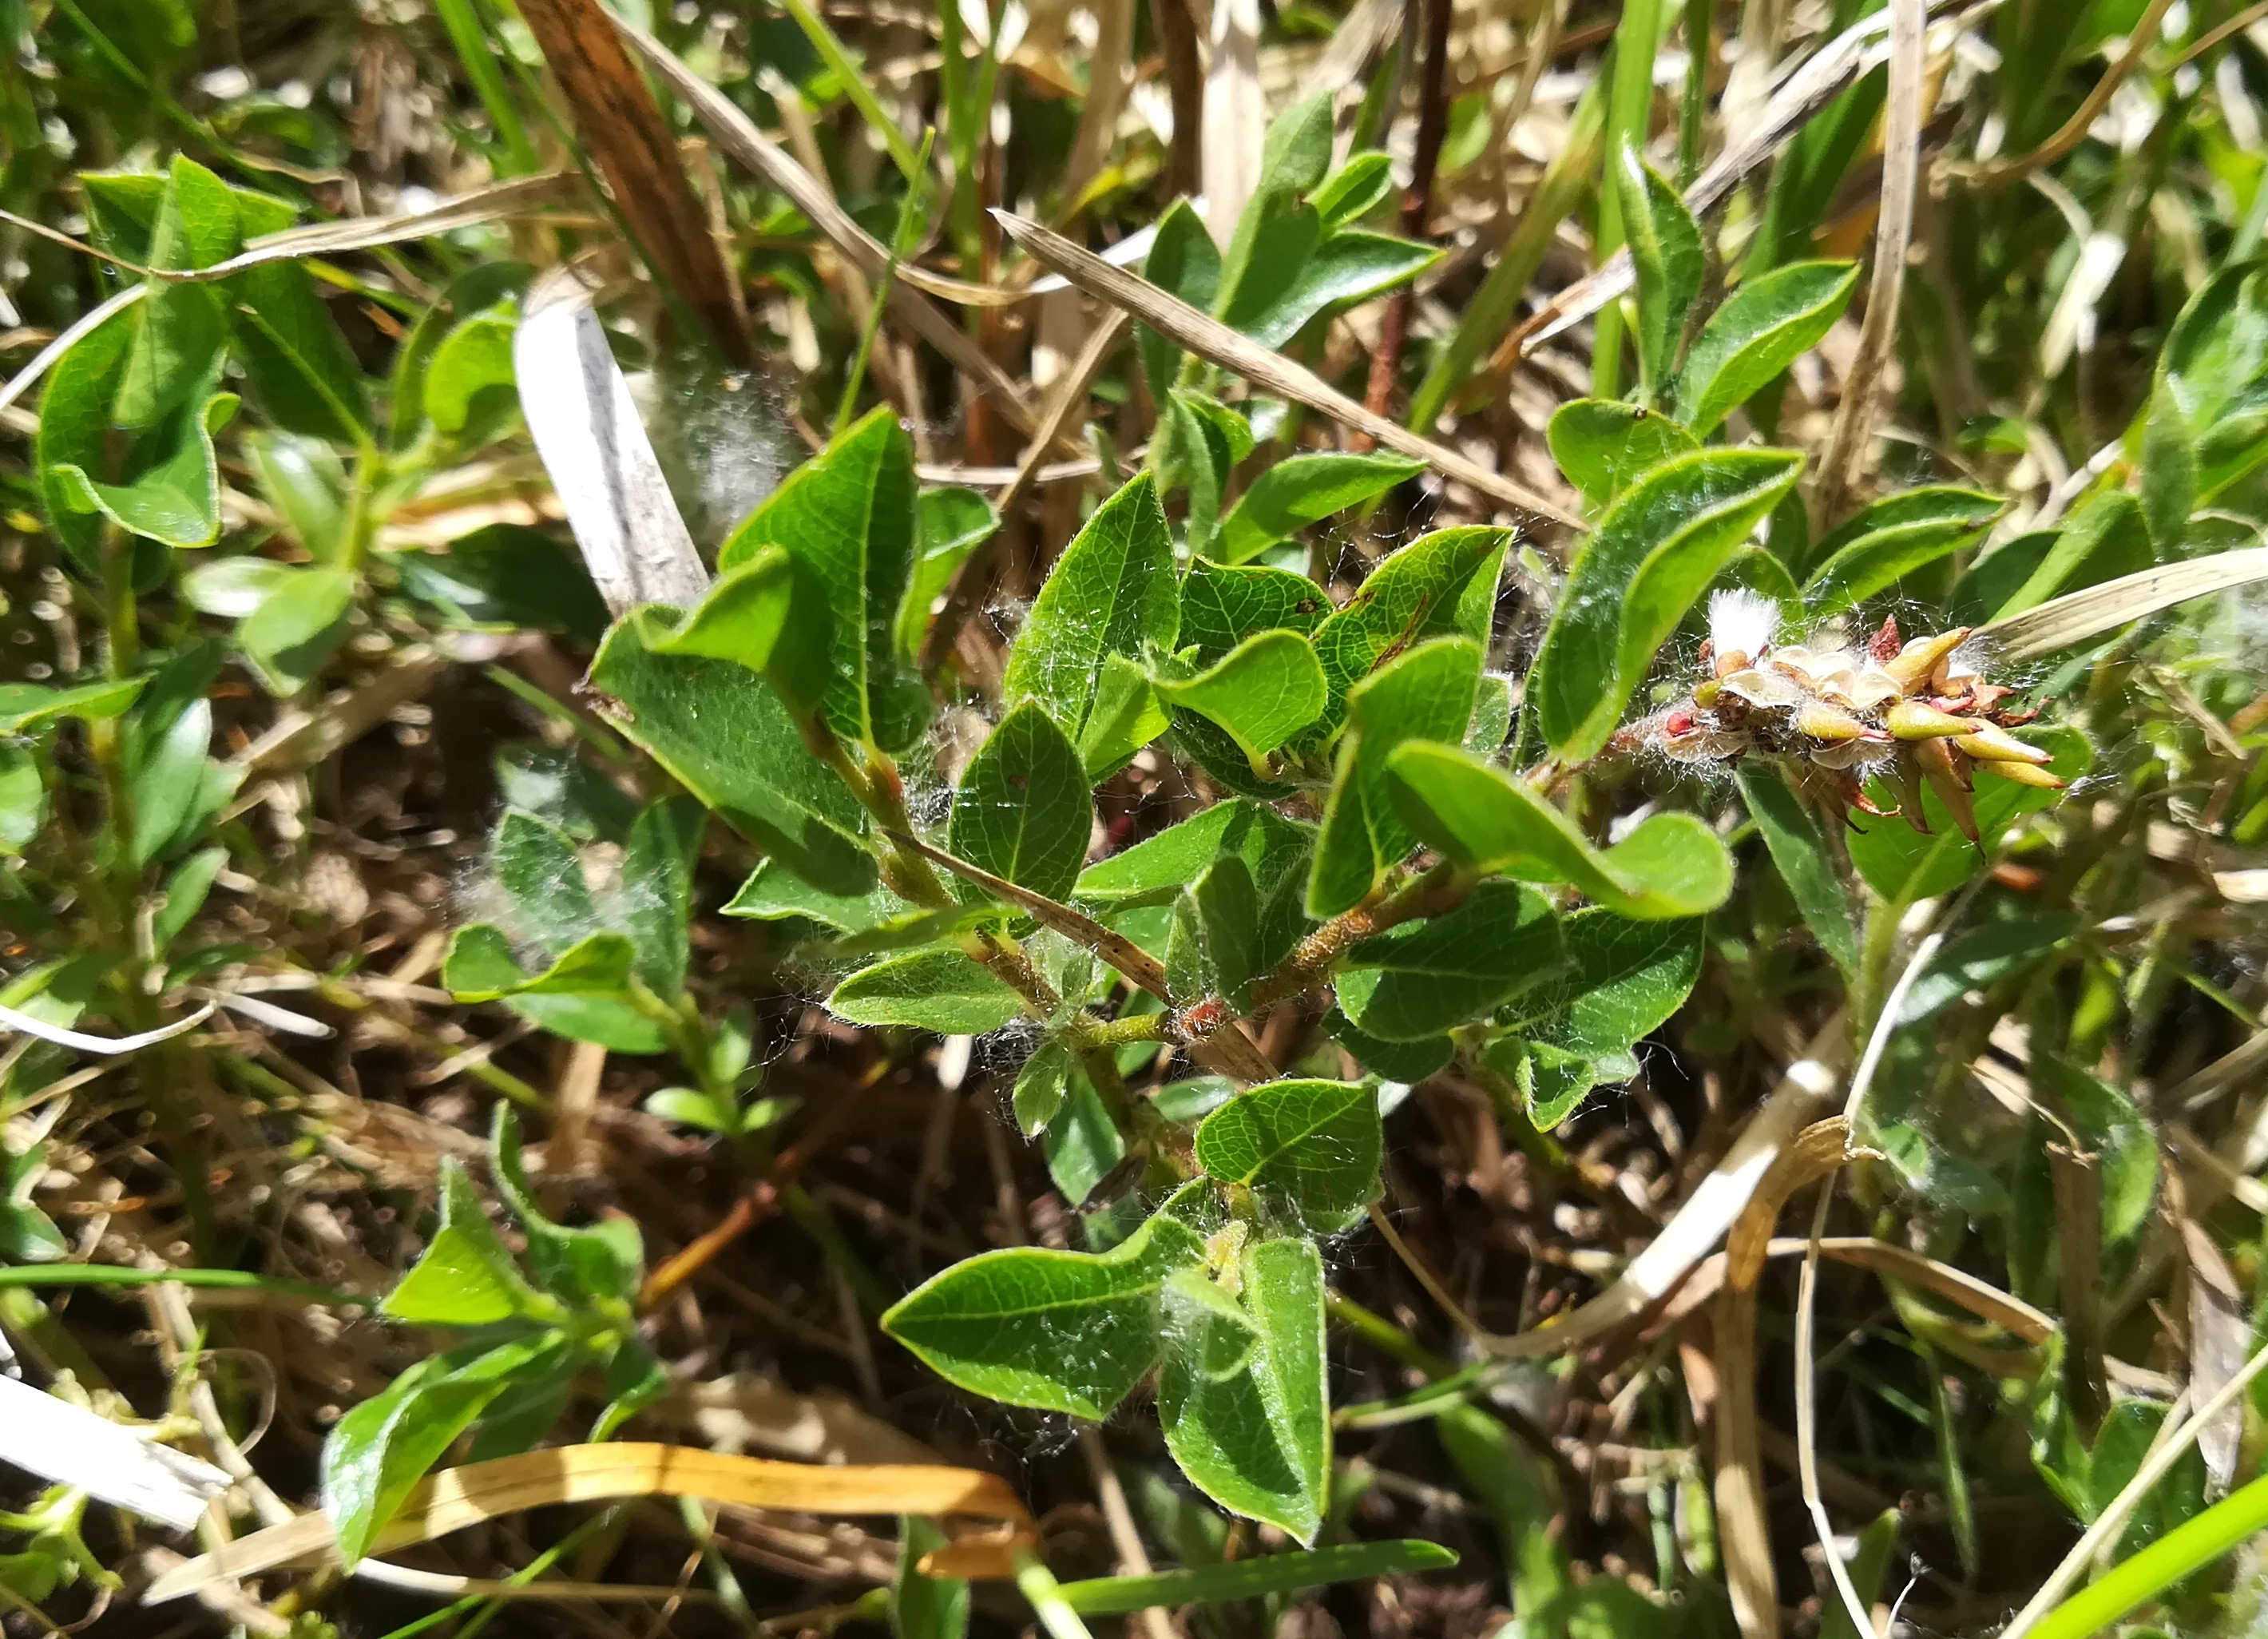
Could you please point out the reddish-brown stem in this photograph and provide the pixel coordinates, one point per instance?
(1417, 211)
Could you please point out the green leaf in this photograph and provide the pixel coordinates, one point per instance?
(1902, 864)
(2169, 468)
(304, 481)
(1624, 978)
(300, 370)
(471, 392)
(174, 787)
(297, 627)
(181, 329)
(728, 739)
(1427, 694)
(950, 523)
(1493, 823)
(1022, 809)
(1257, 1439)
(1798, 849)
(773, 894)
(924, 1606)
(1985, 954)
(2108, 1123)
(22, 798)
(1763, 328)
(1408, 1062)
(1111, 592)
(1604, 445)
(26, 1234)
(1254, 1579)
(541, 873)
(1354, 190)
(1275, 240)
(185, 893)
(162, 483)
(604, 1263)
(377, 1451)
(1060, 1331)
(770, 614)
(506, 575)
(477, 290)
(1656, 550)
(944, 990)
(1302, 491)
(581, 996)
(1154, 870)
(1892, 538)
(1309, 1148)
(1421, 979)
(1260, 693)
(1665, 245)
(1552, 1083)
(1350, 266)
(1297, 150)
(464, 1277)
(1041, 1086)
(2106, 537)
(234, 587)
(25, 706)
(1126, 716)
(1439, 584)
(654, 905)
(1215, 949)
(848, 516)
(1082, 1143)
(1184, 261)
(1221, 608)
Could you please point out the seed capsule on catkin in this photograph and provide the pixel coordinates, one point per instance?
(1911, 665)
(1820, 721)
(2025, 774)
(1949, 778)
(1913, 720)
(1990, 744)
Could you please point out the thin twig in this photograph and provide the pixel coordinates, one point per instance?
(1416, 213)
(1999, 172)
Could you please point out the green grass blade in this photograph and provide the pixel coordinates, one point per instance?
(1248, 1579)
(2187, 1548)
(211, 1280)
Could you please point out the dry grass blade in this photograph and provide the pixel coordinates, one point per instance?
(2079, 616)
(24, 1023)
(737, 135)
(1235, 115)
(330, 238)
(1708, 1214)
(458, 1497)
(622, 128)
(318, 239)
(1817, 1151)
(1852, 436)
(1211, 340)
(302, 737)
(68, 1444)
(603, 465)
(1980, 1298)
